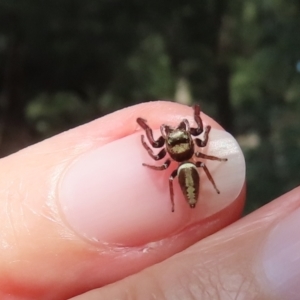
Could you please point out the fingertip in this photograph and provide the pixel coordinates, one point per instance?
(88, 189)
(123, 203)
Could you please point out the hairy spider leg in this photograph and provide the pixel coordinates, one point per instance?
(161, 154)
(165, 130)
(185, 125)
(203, 143)
(171, 179)
(199, 154)
(200, 164)
(159, 168)
(199, 129)
(154, 143)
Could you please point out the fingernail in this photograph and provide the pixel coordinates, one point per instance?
(281, 257)
(106, 195)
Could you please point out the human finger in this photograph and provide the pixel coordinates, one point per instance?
(79, 210)
(257, 257)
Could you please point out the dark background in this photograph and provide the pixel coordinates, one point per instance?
(63, 63)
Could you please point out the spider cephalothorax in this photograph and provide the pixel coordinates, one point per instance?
(179, 144)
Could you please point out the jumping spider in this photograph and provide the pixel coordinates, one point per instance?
(179, 144)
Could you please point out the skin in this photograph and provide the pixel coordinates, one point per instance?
(221, 266)
(41, 257)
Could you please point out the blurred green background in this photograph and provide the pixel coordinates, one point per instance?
(63, 63)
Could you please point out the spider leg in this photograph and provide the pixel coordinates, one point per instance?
(185, 125)
(199, 154)
(165, 130)
(203, 143)
(200, 164)
(155, 143)
(161, 154)
(171, 178)
(199, 129)
(159, 168)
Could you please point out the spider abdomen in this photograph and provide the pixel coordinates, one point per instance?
(189, 179)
